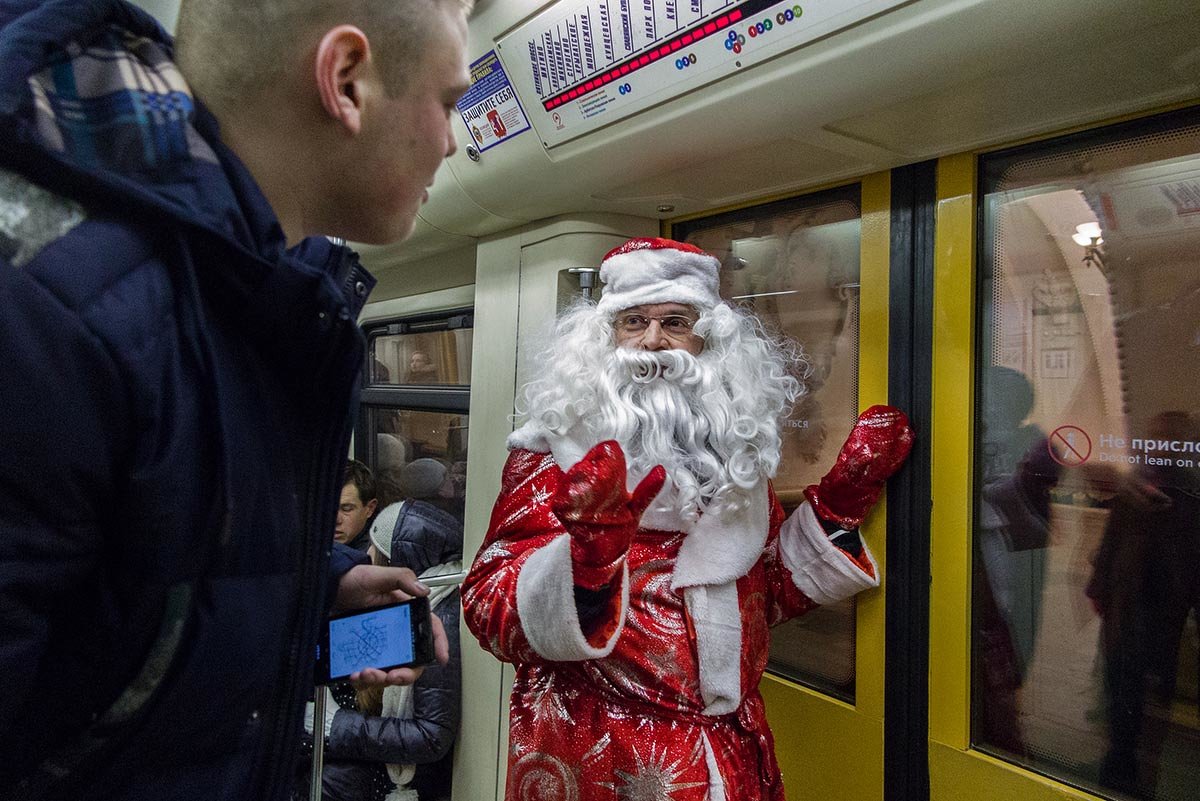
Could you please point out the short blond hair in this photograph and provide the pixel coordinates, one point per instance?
(233, 51)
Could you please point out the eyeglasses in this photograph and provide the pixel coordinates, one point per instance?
(673, 325)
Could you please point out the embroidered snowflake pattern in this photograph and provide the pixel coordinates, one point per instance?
(497, 550)
(546, 703)
(653, 779)
(540, 495)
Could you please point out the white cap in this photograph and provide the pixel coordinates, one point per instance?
(383, 527)
(646, 271)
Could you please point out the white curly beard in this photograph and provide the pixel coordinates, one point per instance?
(655, 410)
(710, 420)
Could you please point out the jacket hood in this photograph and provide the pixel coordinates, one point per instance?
(92, 106)
(421, 535)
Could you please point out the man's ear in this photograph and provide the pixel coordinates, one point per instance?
(371, 506)
(343, 56)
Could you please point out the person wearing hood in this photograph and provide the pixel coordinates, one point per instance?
(179, 370)
(396, 743)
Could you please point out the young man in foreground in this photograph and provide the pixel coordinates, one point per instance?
(178, 369)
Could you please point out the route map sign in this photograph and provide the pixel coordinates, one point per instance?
(583, 64)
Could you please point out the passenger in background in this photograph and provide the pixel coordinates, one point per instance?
(423, 478)
(179, 370)
(429, 480)
(391, 454)
(455, 488)
(421, 369)
(637, 553)
(380, 374)
(1018, 473)
(356, 506)
(1144, 585)
(396, 743)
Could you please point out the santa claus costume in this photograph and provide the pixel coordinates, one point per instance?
(638, 619)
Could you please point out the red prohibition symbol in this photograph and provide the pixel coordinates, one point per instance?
(1069, 445)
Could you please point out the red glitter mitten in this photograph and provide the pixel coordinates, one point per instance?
(876, 448)
(600, 514)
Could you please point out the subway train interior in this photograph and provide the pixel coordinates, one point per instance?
(984, 212)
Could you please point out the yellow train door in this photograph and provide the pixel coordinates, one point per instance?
(1066, 492)
(815, 267)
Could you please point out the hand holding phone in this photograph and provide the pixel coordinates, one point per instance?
(365, 586)
(382, 638)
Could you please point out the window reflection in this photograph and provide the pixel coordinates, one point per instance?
(420, 455)
(795, 264)
(430, 358)
(1087, 524)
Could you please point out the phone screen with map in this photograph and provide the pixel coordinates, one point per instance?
(383, 637)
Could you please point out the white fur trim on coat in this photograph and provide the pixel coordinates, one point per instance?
(546, 606)
(820, 569)
(716, 784)
(717, 620)
(724, 543)
(721, 548)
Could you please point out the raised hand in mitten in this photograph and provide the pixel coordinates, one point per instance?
(600, 514)
(878, 444)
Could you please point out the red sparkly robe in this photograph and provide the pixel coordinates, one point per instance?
(658, 699)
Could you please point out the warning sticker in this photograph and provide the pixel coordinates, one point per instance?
(490, 108)
(1070, 445)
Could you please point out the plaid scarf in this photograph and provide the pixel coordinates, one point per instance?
(119, 103)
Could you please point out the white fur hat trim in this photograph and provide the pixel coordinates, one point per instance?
(647, 271)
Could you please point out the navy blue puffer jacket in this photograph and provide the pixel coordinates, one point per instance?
(176, 393)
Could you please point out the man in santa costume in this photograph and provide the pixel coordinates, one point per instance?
(637, 553)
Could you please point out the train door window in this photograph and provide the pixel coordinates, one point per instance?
(414, 420)
(795, 264)
(1086, 563)
(412, 354)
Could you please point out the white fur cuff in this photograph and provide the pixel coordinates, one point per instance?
(546, 606)
(820, 569)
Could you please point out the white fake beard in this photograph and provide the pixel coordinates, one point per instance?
(662, 408)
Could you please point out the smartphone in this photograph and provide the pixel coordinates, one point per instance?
(383, 637)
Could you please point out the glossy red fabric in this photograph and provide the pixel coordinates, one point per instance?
(876, 448)
(629, 725)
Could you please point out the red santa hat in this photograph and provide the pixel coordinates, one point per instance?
(654, 270)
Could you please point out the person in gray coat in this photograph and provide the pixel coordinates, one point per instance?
(396, 744)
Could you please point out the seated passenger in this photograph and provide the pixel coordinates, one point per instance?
(421, 369)
(356, 506)
(431, 480)
(397, 744)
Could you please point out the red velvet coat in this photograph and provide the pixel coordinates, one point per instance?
(618, 711)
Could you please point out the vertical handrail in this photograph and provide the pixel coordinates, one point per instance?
(587, 279)
(318, 760)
